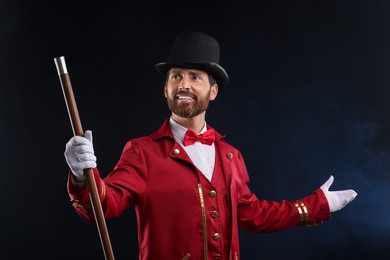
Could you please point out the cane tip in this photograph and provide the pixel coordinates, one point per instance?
(61, 65)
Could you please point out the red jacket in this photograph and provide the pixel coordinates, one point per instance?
(156, 176)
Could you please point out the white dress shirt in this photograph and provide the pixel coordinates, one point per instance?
(202, 155)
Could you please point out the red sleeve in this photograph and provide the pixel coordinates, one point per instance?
(121, 188)
(268, 216)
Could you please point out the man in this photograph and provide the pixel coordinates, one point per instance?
(188, 186)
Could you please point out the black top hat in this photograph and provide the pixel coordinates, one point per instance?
(198, 51)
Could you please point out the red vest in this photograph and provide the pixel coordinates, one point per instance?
(216, 206)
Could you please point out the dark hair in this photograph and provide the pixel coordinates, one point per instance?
(212, 79)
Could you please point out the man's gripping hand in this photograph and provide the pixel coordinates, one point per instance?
(79, 155)
(337, 199)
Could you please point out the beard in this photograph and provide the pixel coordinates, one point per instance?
(188, 110)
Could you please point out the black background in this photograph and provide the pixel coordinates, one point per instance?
(308, 98)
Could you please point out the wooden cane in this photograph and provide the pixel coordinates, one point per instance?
(78, 130)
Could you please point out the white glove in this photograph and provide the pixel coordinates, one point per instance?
(337, 199)
(79, 155)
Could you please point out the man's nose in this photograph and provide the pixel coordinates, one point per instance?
(184, 83)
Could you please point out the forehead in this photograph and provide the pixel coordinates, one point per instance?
(187, 70)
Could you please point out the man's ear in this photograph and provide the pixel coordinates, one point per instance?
(214, 91)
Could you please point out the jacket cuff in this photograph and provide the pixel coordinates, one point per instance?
(79, 194)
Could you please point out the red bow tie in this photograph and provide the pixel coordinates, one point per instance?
(191, 137)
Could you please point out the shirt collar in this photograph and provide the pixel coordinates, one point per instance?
(166, 131)
(179, 131)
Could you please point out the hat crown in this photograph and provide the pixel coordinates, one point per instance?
(190, 46)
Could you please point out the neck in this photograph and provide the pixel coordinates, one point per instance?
(196, 123)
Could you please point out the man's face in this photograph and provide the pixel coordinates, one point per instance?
(188, 92)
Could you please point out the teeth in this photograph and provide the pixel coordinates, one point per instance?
(184, 97)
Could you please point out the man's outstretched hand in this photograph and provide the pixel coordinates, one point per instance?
(337, 199)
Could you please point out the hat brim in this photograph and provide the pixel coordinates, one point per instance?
(213, 68)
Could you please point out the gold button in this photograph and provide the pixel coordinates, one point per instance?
(213, 193)
(217, 256)
(214, 214)
(229, 155)
(176, 151)
(217, 236)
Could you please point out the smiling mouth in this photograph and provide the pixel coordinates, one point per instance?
(184, 98)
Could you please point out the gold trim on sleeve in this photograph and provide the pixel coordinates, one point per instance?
(103, 195)
(76, 204)
(299, 211)
(305, 211)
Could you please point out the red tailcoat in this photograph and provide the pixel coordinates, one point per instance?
(156, 175)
